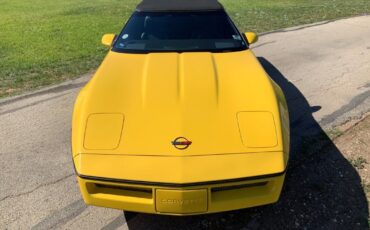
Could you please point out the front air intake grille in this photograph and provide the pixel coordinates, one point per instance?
(234, 187)
(118, 190)
(133, 189)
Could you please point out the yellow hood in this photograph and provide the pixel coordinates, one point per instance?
(137, 104)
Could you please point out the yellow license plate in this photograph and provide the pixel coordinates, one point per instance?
(181, 201)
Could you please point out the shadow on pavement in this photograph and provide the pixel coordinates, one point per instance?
(322, 189)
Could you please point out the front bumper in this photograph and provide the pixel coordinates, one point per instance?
(177, 199)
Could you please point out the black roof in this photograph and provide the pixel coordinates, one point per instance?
(178, 5)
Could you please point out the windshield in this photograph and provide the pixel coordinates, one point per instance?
(210, 31)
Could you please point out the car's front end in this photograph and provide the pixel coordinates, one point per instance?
(204, 196)
(180, 133)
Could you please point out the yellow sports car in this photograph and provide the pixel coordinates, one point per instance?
(180, 118)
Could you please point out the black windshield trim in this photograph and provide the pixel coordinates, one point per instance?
(228, 50)
(179, 51)
(178, 5)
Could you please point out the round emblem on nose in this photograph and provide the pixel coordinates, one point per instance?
(181, 143)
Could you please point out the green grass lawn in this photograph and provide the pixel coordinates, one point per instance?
(44, 42)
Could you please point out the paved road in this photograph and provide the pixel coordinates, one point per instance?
(328, 62)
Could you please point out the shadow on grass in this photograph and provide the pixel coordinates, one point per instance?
(322, 189)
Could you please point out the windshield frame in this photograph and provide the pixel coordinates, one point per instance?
(221, 50)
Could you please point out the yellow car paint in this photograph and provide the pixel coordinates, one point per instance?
(101, 126)
(181, 201)
(180, 169)
(257, 129)
(107, 39)
(251, 37)
(220, 197)
(166, 95)
(126, 117)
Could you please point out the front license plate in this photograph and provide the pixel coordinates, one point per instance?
(181, 201)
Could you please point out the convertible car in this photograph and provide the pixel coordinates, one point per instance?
(180, 118)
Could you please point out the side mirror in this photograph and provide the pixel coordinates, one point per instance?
(252, 37)
(107, 39)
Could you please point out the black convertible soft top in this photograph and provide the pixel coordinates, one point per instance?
(178, 5)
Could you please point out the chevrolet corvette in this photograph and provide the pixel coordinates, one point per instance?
(180, 118)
